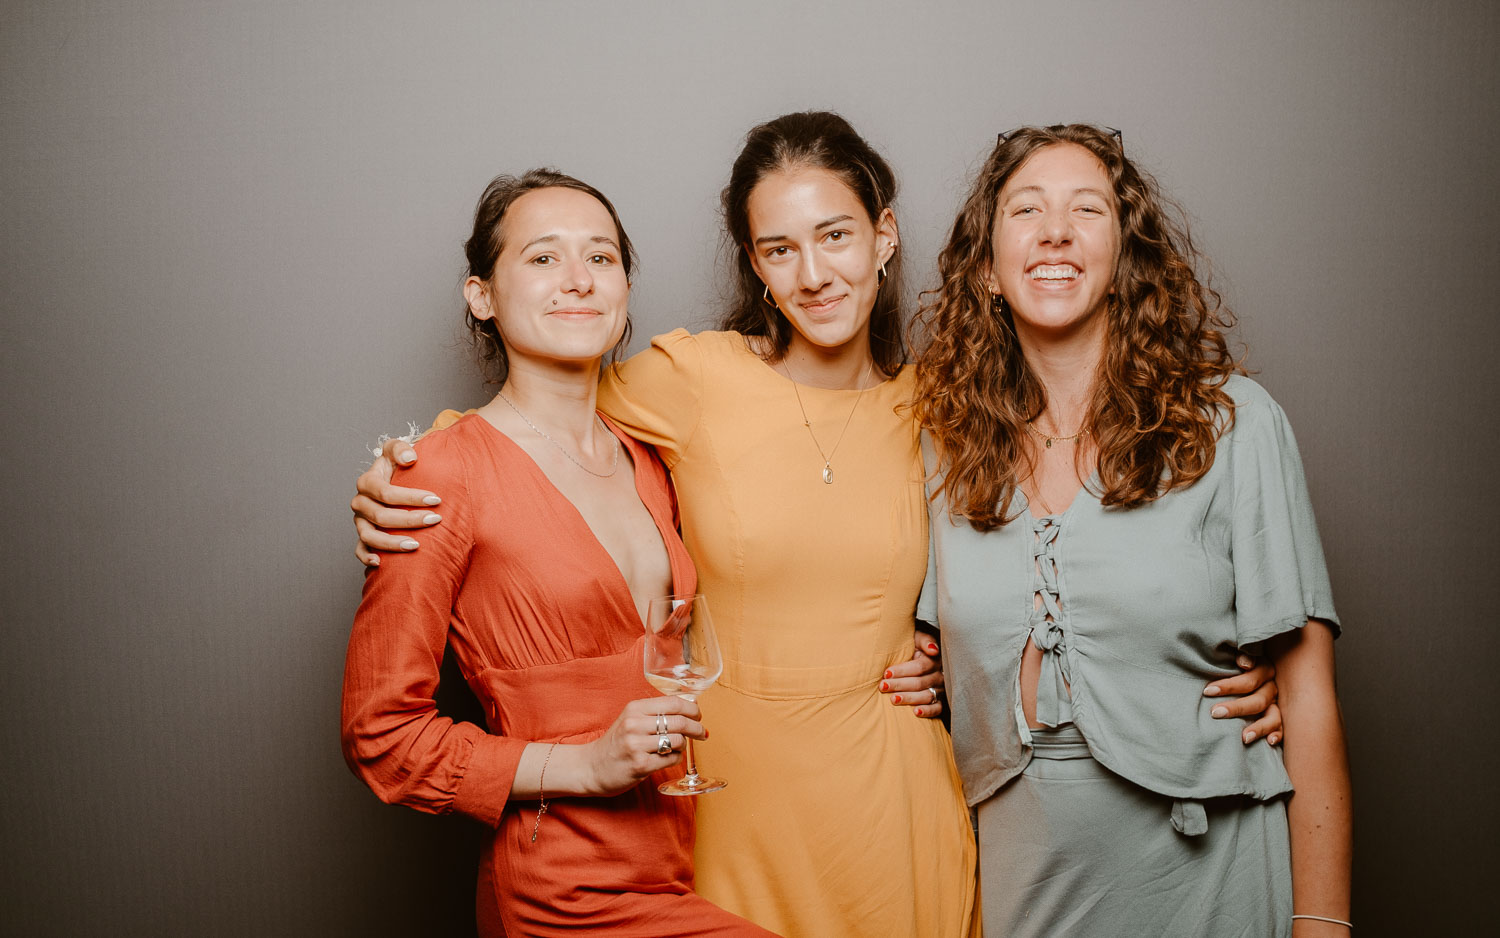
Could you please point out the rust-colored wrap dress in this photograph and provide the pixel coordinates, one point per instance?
(547, 635)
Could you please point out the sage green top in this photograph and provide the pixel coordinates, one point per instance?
(1136, 609)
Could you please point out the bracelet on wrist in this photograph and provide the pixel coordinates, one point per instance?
(1321, 918)
(541, 794)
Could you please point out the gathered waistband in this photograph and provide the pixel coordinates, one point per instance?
(1066, 742)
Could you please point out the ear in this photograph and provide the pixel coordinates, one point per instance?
(477, 295)
(887, 235)
(991, 281)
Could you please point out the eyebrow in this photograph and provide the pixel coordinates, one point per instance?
(1086, 190)
(548, 239)
(818, 227)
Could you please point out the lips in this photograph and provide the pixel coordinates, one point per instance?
(823, 306)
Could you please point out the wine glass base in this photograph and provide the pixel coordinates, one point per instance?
(692, 785)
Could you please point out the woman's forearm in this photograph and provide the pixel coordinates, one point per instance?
(1320, 812)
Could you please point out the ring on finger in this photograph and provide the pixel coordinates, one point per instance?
(934, 693)
(661, 723)
(664, 745)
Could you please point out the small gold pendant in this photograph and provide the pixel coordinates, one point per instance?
(1049, 442)
(827, 475)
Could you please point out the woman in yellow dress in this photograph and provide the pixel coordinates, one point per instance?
(801, 489)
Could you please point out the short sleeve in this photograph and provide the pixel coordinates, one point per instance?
(657, 394)
(394, 738)
(1280, 577)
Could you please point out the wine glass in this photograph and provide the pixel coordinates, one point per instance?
(682, 657)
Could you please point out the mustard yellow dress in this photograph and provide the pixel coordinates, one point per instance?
(844, 816)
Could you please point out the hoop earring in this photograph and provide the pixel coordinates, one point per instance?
(881, 278)
(766, 296)
(997, 304)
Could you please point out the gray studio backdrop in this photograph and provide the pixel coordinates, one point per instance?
(230, 259)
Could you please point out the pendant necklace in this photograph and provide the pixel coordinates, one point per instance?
(828, 456)
(1049, 440)
(614, 462)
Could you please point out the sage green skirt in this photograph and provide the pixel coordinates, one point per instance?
(1069, 848)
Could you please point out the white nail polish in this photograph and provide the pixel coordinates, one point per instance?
(431, 519)
(432, 500)
(408, 544)
(1220, 711)
(1212, 690)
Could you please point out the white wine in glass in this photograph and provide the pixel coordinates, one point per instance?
(682, 658)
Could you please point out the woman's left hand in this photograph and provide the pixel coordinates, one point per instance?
(918, 681)
(1256, 688)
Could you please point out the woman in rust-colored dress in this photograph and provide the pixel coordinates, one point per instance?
(560, 530)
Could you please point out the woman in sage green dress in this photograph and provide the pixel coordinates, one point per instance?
(1115, 513)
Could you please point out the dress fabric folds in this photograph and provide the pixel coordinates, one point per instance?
(843, 816)
(546, 633)
(1135, 812)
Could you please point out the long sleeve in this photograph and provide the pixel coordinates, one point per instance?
(394, 738)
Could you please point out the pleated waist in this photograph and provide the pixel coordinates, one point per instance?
(566, 700)
(1063, 754)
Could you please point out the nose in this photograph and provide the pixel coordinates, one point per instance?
(577, 277)
(812, 273)
(1057, 228)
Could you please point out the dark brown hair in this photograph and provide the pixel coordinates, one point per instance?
(1158, 403)
(482, 251)
(821, 140)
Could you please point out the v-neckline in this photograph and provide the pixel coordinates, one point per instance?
(662, 526)
(1080, 493)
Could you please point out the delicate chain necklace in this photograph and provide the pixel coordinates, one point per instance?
(614, 463)
(828, 456)
(1049, 440)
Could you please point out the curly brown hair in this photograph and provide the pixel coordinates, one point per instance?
(1158, 405)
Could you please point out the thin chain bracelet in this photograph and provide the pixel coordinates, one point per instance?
(1331, 921)
(541, 792)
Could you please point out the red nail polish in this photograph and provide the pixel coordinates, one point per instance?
(932, 648)
(884, 687)
(887, 673)
(896, 699)
(918, 711)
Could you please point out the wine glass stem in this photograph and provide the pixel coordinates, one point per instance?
(692, 764)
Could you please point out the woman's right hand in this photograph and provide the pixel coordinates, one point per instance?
(627, 752)
(377, 503)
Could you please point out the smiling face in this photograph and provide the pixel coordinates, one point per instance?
(559, 291)
(814, 245)
(1056, 241)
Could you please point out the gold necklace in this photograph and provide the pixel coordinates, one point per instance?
(827, 457)
(1049, 440)
(614, 462)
